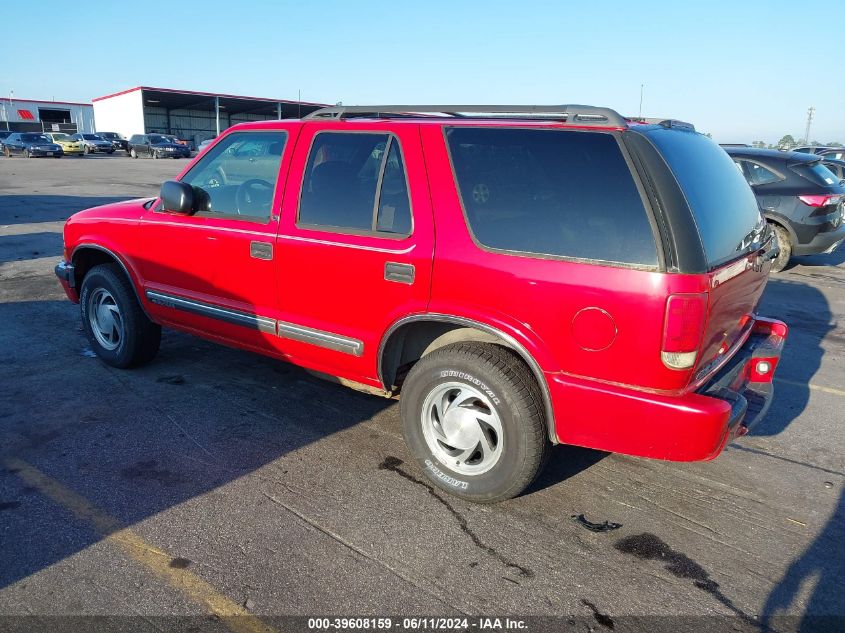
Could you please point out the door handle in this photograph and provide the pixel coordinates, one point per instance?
(400, 273)
(261, 250)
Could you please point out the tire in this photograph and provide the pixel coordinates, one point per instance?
(7, 152)
(86, 149)
(503, 446)
(133, 153)
(153, 155)
(26, 154)
(108, 299)
(785, 246)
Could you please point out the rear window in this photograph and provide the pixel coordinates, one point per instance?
(724, 207)
(816, 173)
(548, 192)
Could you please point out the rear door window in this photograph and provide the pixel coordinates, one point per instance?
(757, 174)
(556, 193)
(723, 205)
(356, 182)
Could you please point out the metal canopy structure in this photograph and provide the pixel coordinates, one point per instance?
(189, 114)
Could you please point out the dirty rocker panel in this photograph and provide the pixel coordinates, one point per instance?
(283, 329)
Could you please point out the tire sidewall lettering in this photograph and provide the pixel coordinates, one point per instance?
(452, 373)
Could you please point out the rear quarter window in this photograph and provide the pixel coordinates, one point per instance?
(723, 205)
(557, 193)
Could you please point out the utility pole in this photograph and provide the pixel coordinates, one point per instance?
(810, 112)
(641, 102)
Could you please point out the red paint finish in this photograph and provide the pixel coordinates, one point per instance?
(594, 331)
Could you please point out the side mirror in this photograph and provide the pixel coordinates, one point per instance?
(177, 197)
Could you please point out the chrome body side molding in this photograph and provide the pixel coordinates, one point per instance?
(321, 338)
(201, 308)
(283, 329)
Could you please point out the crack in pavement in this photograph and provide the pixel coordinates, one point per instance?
(393, 465)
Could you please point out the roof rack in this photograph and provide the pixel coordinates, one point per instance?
(589, 115)
(664, 122)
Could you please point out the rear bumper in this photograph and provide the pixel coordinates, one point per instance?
(822, 243)
(690, 427)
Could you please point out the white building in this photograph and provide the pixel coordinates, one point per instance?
(29, 115)
(193, 116)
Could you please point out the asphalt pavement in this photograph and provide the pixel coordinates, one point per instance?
(215, 483)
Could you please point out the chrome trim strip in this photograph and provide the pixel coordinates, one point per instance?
(236, 317)
(509, 341)
(321, 338)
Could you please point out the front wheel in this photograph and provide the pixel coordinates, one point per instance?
(133, 153)
(785, 246)
(473, 417)
(26, 154)
(116, 326)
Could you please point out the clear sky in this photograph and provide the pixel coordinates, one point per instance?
(743, 70)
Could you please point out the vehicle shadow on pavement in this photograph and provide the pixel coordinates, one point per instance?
(564, 461)
(27, 209)
(136, 443)
(807, 313)
(824, 561)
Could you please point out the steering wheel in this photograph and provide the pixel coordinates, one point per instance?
(254, 194)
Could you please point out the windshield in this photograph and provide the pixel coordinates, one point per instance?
(34, 138)
(816, 172)
(92, 137)
(725, 209)
(156, 139)
(108, 135)
(62, 137)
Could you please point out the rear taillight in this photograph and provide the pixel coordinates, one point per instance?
(820, 200)
(682, 329)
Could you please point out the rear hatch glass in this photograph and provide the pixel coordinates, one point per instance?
(816, 173)
(732, 230)
(721, 201)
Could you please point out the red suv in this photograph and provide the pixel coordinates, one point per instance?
(524, 276)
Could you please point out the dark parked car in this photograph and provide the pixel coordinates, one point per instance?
(117, 141)
(3, 135)
(30, 145)
(836, 166)
(156, 146)
(812, 149)
(801, 199)
(836, 153)
(94, 143)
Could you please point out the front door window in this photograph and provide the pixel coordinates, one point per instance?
(237, 177)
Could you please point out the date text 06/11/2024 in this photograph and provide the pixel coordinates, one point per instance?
(416, 624)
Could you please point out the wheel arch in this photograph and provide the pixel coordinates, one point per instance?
(87, 255)
(411, 338)
(783, 223)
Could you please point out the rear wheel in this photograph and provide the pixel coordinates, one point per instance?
(116, 326)
(785, 246)
(7, 153)
(473, 417)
